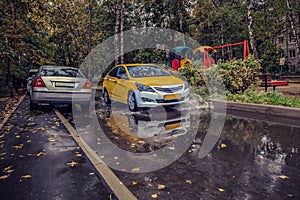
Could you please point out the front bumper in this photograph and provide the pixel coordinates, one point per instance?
(154, 99)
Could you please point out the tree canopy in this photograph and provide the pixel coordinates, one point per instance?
(33, 32)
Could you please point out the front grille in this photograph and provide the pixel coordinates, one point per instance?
(169, 89)
(169, 101)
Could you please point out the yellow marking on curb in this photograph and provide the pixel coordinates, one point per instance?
(119, 189)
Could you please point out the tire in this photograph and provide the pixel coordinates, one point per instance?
(106, 97)
(131, 101)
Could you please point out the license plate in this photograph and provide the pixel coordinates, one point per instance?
(172, 126)
(172, 96)
(63, 84)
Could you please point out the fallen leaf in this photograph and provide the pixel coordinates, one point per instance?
(4, 176)
(221, 189)
(39, 154)
(2, 154)
(188, 181)
(223, 145)
(20, 146)
(72, 164)
(136, 169)
(283, 177)
(161, 186)
(26, 176)
(154, 196)
(51, 140)
(171, 148)
(7, 168)
(134, 183)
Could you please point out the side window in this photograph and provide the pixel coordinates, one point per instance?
(122, 73)
(114, 72)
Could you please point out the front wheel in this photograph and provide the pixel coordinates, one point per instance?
(131, 101)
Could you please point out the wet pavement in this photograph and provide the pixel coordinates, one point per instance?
(251, 159)
(40, 160)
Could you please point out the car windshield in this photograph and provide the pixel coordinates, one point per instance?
(65, 72)
(146, 71)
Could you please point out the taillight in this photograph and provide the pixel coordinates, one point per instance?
(39, 83)
(87, 85)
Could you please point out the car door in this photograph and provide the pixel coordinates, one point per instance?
(111, 81)
(121, 87)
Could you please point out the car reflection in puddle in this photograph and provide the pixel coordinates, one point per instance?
(146, 132)
(149, 130)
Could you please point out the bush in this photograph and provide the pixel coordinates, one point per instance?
(236, 76)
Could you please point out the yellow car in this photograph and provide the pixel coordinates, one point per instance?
(143, 85)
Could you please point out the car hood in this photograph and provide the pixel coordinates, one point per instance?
(159, 80)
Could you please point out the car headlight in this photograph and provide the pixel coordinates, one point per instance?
(144, 88)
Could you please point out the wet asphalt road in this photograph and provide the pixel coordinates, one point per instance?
(251, 160)
(40, 160)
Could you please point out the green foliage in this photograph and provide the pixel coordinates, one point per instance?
(273, 98)
(239, 75)
(234, 76)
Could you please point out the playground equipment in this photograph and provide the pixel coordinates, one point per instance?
(181, 52)
(208, 61)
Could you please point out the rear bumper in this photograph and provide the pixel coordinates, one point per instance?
(60, 97)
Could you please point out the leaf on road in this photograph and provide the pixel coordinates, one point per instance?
(171, 148)
(134, 182)
(283, 177)
(40, 153)
(51, 139)
(188, 181)
(20, 146)
(78, 154)
(4, 176)
(161, 186)
(221, 189)
(26, 176)
(136, 169)
(223, 145)
(30, 124)
(72, 164)
(2, 154)
(7, 168)
(154, 196)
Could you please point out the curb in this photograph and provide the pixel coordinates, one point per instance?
(118, 188)
(13, 110)
(268, 113)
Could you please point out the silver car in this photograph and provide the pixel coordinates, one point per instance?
(59, 85)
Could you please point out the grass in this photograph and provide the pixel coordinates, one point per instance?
(260, 97)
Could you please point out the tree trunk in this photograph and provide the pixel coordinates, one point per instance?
(250, 27)
(122, 29)
(294, 28)
(117, 28)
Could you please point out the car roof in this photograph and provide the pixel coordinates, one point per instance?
(57, 66)
(138, 64)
